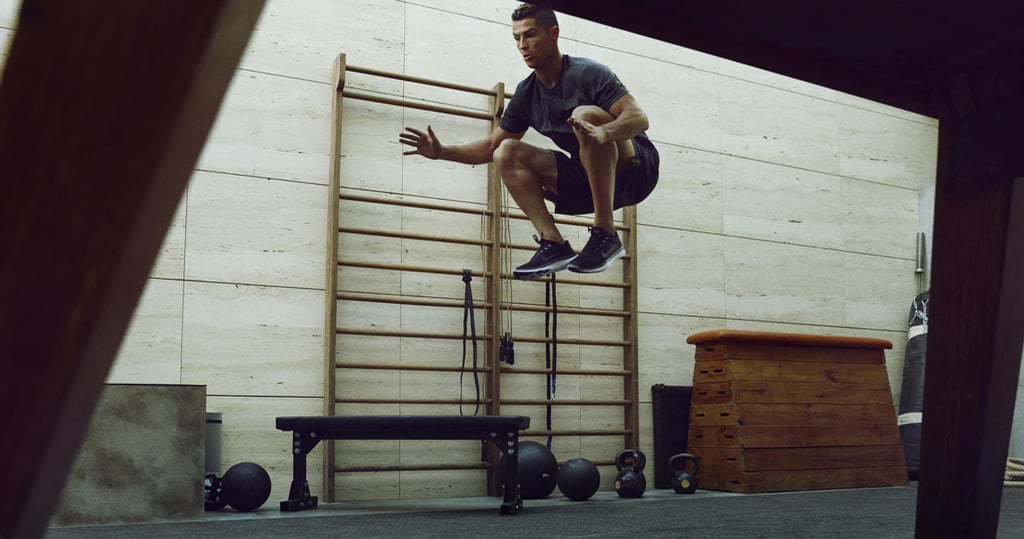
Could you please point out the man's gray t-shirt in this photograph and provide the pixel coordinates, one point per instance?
(582, 82)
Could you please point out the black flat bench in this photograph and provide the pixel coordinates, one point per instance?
(503, 431)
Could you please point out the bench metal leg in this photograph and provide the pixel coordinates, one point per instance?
(298, 495)
(508, 444)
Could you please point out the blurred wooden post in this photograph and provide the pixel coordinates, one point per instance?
(976, 326)
(104, 109)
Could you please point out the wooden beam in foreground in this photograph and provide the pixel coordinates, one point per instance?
(974, 336)
(104, 108)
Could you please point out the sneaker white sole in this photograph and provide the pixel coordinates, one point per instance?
(537, 273)
(597, 269)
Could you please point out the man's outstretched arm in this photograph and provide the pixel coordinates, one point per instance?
(472, 153)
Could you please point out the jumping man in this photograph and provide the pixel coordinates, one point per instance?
(584, 108)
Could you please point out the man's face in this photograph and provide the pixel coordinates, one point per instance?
(535, 43)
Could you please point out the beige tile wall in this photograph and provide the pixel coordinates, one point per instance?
(783, 206)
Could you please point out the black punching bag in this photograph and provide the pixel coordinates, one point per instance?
(912, 392)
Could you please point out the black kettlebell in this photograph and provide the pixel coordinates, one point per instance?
(630, 481)
(684, 479)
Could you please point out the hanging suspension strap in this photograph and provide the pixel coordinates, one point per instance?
(467, 316)
(551, 346)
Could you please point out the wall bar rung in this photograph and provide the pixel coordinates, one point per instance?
(343, 400)
(570, 281)
(579, 342)
(417, 368)
(421, 80)
(376, 98)
(562, 220)
(406, 300)
(566, 402)
(563, 310)
(412, 236)
(406, 334)
(565, 372)
(413, 204)
(405, 267)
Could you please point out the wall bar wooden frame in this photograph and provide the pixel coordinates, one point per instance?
(493, 305)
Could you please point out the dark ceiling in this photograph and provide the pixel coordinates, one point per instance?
(902, 52)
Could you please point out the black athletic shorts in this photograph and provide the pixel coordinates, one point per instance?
(632, 185)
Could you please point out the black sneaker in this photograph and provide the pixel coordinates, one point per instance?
(549, 258)
(601, 250)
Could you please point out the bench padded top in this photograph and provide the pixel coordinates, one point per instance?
(408, 427)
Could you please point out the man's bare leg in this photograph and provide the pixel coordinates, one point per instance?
(527, 171)
(601, 161)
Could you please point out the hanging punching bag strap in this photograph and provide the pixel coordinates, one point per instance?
(467, 316)
(551, 347)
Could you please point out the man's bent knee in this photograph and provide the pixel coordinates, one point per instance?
(509, 153)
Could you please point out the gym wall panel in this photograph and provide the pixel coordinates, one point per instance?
(783, 283)
(255, 231)
(363, 349)
(681, 103)
(779, 203)
(151, 350)
(369, 145)
(602, 297)
(759, 77)
(777, 126)
(874, 106)
(876, 290)
(681, 272)
(361, 384)
(453, 483)
(359, 315)
(646, 445)
(445, 179)
(593, 33)
(880, 219)
(272, 126)
(248, 435)
(429, 352)
(301, 38)
(445, 385)
(887, 149)
(665, 358)
(436, 50)
(689, 191)
(253, 340)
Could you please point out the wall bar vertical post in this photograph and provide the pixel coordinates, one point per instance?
(630, 328)
(494, 290)
(331, 285)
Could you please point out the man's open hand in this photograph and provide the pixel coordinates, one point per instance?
(425, 144)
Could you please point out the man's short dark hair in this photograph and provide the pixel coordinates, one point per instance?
(544, 16)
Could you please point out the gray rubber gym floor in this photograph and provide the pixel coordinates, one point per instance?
(872, 513)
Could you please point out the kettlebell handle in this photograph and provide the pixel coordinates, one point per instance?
(638, 458)
(679, 462)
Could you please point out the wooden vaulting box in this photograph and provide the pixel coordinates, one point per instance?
(776, 412)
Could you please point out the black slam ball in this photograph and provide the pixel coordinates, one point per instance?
(538, 470)
(578, 479)
(245, 486)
